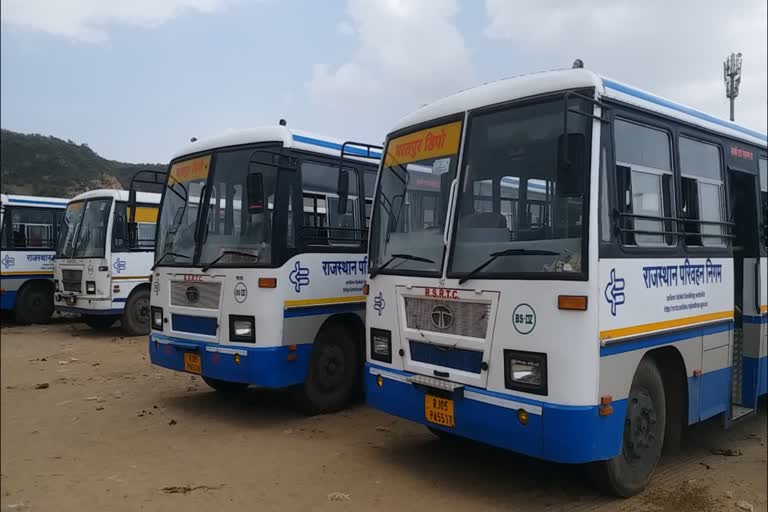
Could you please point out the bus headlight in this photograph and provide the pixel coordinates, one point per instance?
(157, 318)
(56, 285)
(90, 287)
(525, 371)
(381, 345)
(242, 328)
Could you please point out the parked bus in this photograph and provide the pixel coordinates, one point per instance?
(587, 279)
(29, 228)
(102, 270)
(264, 286)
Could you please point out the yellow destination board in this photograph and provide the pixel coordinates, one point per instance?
(191, 170)
(432, 142)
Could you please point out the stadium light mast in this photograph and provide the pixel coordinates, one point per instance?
(732, 78)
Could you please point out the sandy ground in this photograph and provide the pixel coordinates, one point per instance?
(111, 432)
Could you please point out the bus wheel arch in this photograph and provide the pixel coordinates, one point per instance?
(673, 373)
(335, 366)
(34, 302)
(135, 318)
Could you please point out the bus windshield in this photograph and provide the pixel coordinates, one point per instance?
(411, 202)
(517, 212)
(84, 230)
(238, 228)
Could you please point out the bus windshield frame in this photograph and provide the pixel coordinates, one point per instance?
(86, 237)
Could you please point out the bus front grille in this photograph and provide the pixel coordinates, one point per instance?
(468, 319)
(72, 280)
(195, 295)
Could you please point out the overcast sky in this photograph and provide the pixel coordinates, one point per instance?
(135, 79)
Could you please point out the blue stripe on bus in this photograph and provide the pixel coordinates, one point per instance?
(456, 358)
(194, 324)
(664, 339)
(326, 309)
(86, 311)
(351, 149)
(48, 276)
(35, 201)
(762, 319)
(681, 108)
(561, 433)
(8, 299)
(754, 380)
(120, 300)
(269, 367)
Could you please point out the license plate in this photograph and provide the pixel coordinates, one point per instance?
(439, 411)
(192, 362)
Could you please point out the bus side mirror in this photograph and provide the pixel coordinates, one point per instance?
(342, 189)
(571, 165)
(255, 192)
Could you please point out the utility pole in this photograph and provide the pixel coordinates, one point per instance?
(732, 78)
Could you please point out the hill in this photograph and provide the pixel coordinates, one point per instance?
(44, 165)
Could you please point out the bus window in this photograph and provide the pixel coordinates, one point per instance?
(32, 228)
(702, 192)
(321, 206)
(644, 182)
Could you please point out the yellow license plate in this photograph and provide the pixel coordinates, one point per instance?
(192, 362)
(439, 411)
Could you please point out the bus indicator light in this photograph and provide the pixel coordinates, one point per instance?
(572, 302)
(522, 416)
(267, 282)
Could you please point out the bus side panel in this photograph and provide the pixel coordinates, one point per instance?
(755, 356)
(18, 267)
(686, 304)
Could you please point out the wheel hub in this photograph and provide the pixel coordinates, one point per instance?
(640, 425)
(331, 368)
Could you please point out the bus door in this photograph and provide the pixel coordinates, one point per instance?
(747, 346)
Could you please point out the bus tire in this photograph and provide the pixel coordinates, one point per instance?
(332, 374)
(629, 472)
(135, 317)
(34, 304)
(225, 386)
(99, 322)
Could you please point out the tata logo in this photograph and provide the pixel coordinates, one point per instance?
(442, 317)
(614, 291)
(193, 277)
(192, 294)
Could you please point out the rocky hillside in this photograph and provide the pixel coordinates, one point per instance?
(44, 165)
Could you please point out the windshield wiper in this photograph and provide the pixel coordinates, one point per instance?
(509, 252)
(169, 253)
(228, 253)
(377, 271)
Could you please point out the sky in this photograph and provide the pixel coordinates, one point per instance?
(136, 79)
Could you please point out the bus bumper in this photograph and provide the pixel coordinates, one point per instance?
(270, 367)
(569, 434)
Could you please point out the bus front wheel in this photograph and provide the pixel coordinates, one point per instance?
(630, 471)
(135, 318)
(332, 373)
(34, 304)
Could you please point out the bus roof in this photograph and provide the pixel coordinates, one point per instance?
(34, 201)
(523, 86)
(119, 195)
(289, 137)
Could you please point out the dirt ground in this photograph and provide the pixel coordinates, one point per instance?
(89, 424)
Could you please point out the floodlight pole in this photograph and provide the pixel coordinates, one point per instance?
(732, 78)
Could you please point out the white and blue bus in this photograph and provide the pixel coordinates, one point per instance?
(103, 258)
(581, 278)
(29, 227)
(264, 286)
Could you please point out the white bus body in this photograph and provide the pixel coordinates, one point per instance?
(98, 273)
(616, 298)
(257, 289)
(29, 228)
